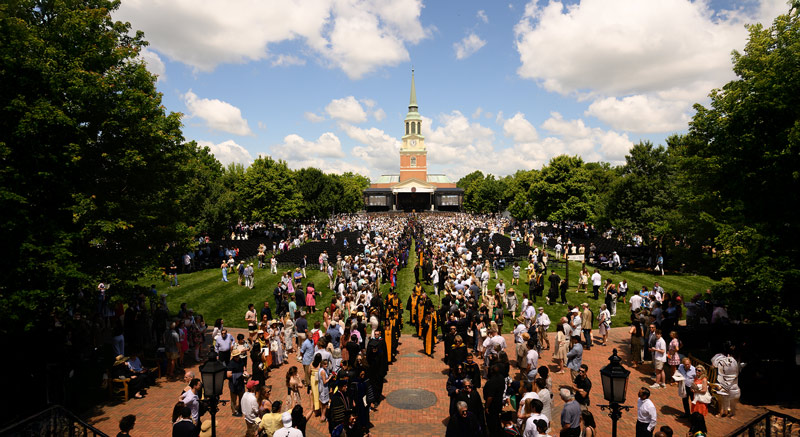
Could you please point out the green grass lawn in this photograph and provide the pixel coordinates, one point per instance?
(206, 293)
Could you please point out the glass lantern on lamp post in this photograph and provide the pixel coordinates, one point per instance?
(615, 384)
(213, 373)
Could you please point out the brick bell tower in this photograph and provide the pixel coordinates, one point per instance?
(413, 155)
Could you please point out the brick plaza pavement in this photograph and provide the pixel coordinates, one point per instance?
(415, 370)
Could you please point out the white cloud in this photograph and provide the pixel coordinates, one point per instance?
(217, 114)
(358, 36)
(477, 112)
(643, 63)
(378, 150)
(312, 117)
(482, 16)
(641, 113)
(287, 60)
(379, 114)
(520, 129)
(327, 165)
(592, 144)
(347, 109)
(454, 139)
(459, 147)
(154, 64)
(327, 145)
(228, 152)
(468, 46)
(262, 125)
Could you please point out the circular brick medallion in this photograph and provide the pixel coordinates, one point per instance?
(411, 399)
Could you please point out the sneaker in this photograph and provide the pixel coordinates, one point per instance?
(663, 385)
(655, 386)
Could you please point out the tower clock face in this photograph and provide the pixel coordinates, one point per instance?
(413, 143)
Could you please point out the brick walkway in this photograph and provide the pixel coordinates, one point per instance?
(415, 370)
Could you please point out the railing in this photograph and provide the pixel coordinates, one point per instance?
(770, 424)
(55, 421)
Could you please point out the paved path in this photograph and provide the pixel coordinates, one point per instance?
(415, 370)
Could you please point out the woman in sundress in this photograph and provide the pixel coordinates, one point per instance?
(311, 298)
(324, 394)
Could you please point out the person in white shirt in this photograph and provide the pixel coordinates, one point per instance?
(190, 399)
(636, 302)
(530, 427)
(435, 280)
(575, 324)
(659, 358)
(522, 413)
(728, 378)
(287, 430)
(518, 331)
(646, 414)
(529, 315)
(597, 281)
(546, 397)
(622, 291)
(250, 409)
(542, 325)
(533, 364)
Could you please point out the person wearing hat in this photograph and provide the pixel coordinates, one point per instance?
(121, 370)
(236, 377)
(575, 356)
(250, 408)
(511, 302)
(587, 319)
(542, 325)
(240, 271)
(250, 277)
(287, 430)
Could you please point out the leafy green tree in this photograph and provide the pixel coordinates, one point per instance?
(469, 179)
(270, 193)
(741, 157)
(315, 186)
(563, 191)
(484, 195)
(203, 195)
(642, 199)
(602, 176)
(519, 205)
(90, 161)
(223, 206)
(351, 197)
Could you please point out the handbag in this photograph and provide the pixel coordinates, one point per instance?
(703, 397)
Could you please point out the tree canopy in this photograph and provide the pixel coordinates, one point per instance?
(96, 180)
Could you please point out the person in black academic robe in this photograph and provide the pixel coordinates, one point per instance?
(378, 365)
(458, 352)
(429, 332)
(469, 395)
(463, 424)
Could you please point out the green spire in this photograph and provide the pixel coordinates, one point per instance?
(412, 104)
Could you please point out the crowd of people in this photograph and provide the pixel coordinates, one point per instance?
(343, 360)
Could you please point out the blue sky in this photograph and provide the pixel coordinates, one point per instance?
(502, 86)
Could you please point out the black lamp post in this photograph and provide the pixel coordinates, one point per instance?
(213, 373)
(615, 383)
